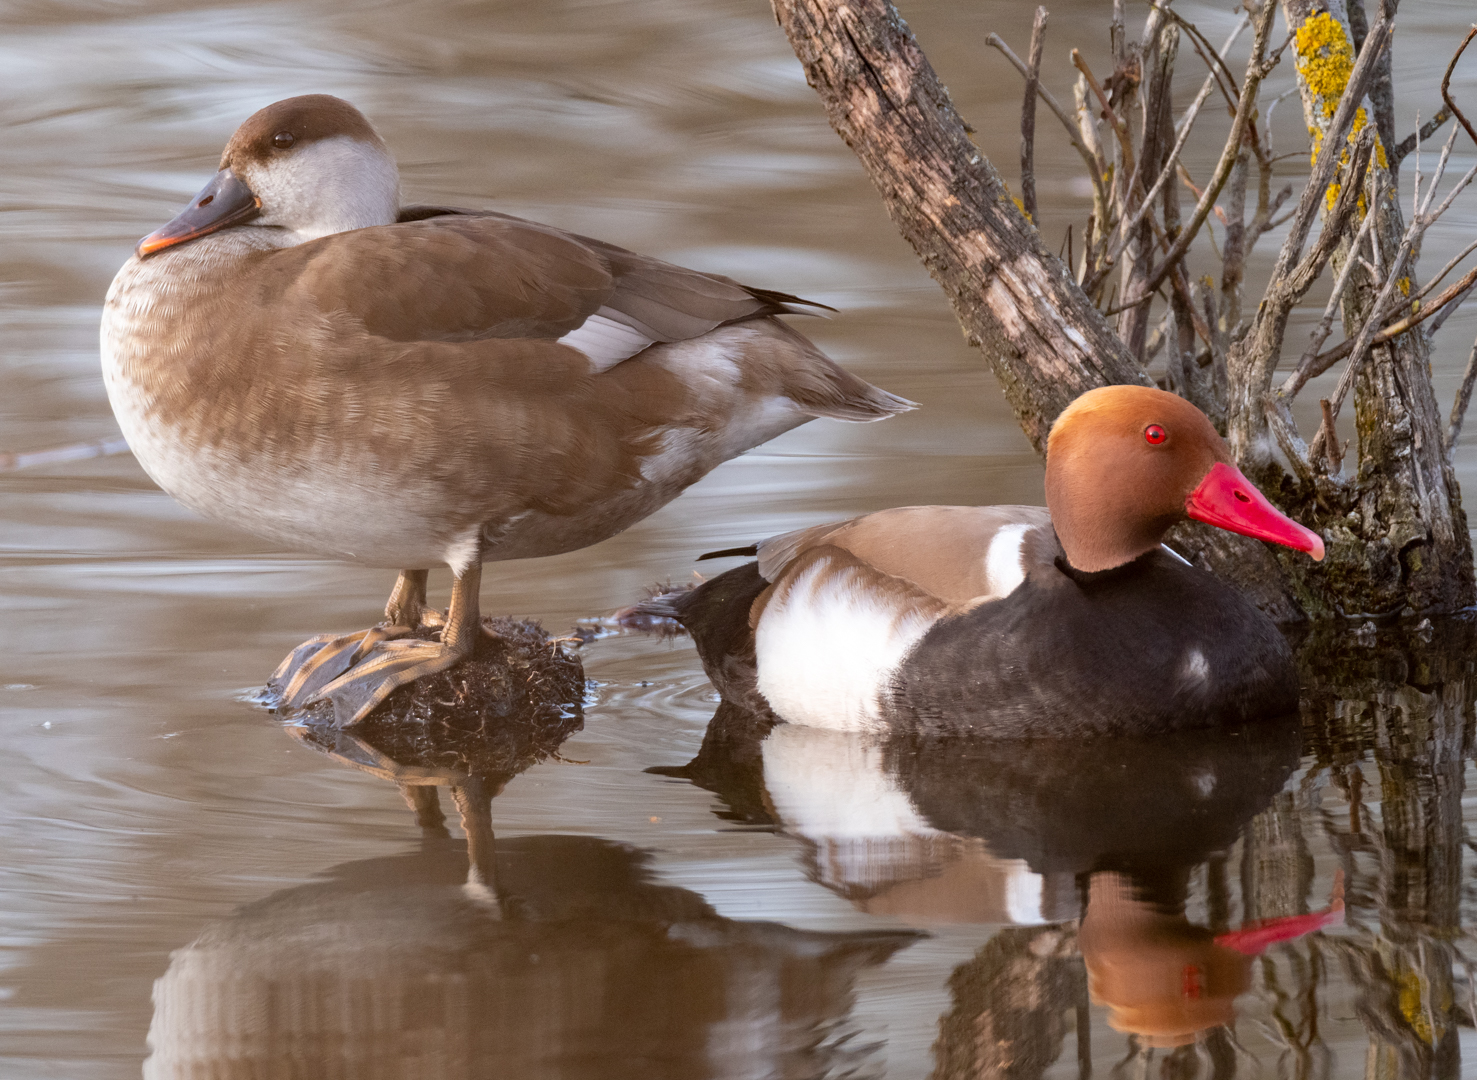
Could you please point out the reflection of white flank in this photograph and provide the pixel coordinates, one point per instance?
(830, 785)
(1023, 891)
(872, 845)
(829, 788)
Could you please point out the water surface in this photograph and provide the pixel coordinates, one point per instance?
(153, 823)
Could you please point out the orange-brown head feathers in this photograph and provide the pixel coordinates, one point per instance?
(1124, 463)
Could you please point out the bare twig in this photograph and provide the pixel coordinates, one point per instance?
(1094, 167)
(1463, 399)
(1446, 84)
(55, 455)
(1220, 72)
(1028, 116)
(1415, 138)
(1255, 72)
(1448, 310)
(1119, 125)
(1448, 268)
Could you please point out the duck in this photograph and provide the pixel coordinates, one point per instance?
(300, 354)
(1066, 620)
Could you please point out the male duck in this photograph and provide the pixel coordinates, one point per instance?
(1020, 621)
(298, 354)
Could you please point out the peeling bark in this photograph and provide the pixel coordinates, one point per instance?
(1015, 299)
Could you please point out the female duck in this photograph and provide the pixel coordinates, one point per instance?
(298, 354)
(1021, 621)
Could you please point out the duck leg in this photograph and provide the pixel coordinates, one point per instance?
(407, 603)
(386, 664)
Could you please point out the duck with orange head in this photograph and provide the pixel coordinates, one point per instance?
(1023, 621)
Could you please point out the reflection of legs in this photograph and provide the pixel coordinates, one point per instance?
(473, 798)
(426, 802)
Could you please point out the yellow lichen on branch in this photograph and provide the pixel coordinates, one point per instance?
(1325, 60)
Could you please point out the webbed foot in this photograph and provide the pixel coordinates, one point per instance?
(359, 671)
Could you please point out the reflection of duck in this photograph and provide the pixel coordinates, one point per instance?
(1006, 621)
(553, 956)
(389, 969)
(981, 829)
(298, 354)
(960, 828)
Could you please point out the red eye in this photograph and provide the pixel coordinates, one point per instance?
(1154, 435)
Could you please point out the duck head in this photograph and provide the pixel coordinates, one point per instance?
(309, 165)
(1125, 463)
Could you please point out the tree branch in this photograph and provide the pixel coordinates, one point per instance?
(1043, 338)
(1028, 116)
(1094, 171)
(1254, 76)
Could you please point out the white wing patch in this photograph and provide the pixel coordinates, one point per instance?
(1003, 566)
(827, 646)
(606, 341)
(1195, 668)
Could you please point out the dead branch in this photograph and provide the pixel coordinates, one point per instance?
(1415, 138)
(1256, 71)
(1463, 399)
(1446, 85)
(1089, 158)
(1042, 336)
(1028, 116)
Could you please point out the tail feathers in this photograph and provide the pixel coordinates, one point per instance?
(788, 303)
(824, 389)
(748, 551)
(660, 613)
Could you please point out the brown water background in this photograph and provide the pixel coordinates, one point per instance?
(141, 798)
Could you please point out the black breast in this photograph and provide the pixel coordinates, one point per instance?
(1150, 647)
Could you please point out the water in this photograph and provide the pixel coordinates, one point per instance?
(161, 836)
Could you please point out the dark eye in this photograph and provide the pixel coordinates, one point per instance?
(1154, 435)
(283, 139)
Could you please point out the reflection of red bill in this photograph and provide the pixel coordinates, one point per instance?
(1255, 938)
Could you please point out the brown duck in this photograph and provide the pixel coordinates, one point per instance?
(299, 354)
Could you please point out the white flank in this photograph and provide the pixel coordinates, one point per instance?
(606, 341)
(827, 647)
(1003, 564)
